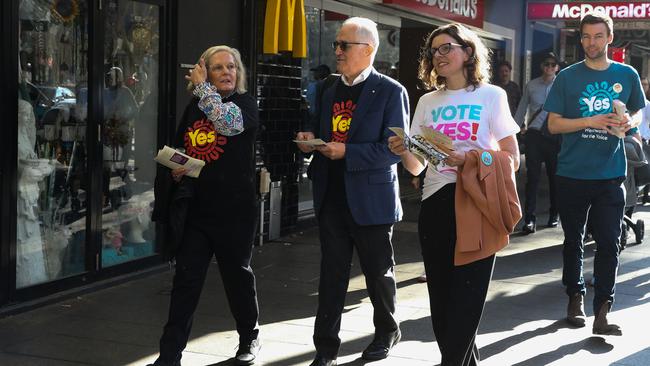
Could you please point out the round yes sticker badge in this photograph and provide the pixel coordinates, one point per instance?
(617, 88)
(486, 158)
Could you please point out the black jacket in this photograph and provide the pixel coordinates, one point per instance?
(170, 210)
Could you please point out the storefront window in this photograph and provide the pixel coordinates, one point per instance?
(130, 125)
(52, 179)
(54, 166)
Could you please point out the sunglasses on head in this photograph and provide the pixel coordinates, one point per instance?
(344, 45)
(549, 64)
(444, 49)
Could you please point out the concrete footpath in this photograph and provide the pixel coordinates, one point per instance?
(521, 323)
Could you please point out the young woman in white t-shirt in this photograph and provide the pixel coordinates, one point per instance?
(476, 116)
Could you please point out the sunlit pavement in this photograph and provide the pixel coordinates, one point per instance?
(521, 324)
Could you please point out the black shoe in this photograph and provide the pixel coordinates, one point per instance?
(247, 352)
(552, 221)
(322, 361)
(164, 363)
(381, 345)
(529, 227)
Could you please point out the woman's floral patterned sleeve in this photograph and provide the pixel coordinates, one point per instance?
(226, 117)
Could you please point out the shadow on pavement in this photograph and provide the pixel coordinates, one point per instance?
(594, 345)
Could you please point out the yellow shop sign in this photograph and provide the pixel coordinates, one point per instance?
(285, 28)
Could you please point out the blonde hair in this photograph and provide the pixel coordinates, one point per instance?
(240, 83)
(477, 68)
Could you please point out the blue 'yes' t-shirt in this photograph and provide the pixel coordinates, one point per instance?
(579, 91)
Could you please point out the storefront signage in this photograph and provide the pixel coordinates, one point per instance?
(565, 11)
(461, 11)
(285, 27)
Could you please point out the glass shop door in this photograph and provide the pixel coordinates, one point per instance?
(130, 120)
(88, 120)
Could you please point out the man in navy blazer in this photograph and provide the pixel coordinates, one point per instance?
(356, 190)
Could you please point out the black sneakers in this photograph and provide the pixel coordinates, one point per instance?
(247, 352)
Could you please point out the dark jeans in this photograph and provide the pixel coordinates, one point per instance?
(539, 149)
(339, 234)
(603, 202)
(456, 293)
(232, 248)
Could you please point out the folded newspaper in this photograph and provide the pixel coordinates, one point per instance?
(174, 159)
(432, 146)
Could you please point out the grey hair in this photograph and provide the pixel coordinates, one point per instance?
(240, 83)
(366, 31)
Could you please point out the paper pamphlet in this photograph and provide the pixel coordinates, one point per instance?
(174, 159)
(431, 145)
(312, 142)
(619, 108)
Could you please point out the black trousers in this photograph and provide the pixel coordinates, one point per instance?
(232, 248)
(540, 149)
(456, 293)
(602, 202)
(339, 234)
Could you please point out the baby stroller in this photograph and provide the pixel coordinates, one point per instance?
(638, 175)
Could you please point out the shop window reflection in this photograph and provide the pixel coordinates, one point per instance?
(53, 170)
(50, 233)
(130, 125)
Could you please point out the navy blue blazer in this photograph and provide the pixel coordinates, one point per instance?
(371, 183)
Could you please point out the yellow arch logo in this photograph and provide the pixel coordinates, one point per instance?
(285, 28)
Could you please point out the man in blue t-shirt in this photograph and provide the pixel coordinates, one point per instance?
(591, 164)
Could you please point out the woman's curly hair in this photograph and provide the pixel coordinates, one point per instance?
(477, 68)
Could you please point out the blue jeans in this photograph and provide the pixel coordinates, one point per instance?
(603, 202)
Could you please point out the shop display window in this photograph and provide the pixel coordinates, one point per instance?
(131, 60)
(54, 164)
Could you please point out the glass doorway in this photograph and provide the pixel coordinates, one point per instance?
(52, 142)
(67, 224)
(131, 59)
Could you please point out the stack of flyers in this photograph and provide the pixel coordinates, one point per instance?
(619, 108)
(174, 159)
(432, 146)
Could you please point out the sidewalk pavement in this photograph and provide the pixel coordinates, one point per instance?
(521, 324)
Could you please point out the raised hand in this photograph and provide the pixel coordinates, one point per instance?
(198, 74)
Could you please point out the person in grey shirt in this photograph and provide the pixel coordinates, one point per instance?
(541, 147)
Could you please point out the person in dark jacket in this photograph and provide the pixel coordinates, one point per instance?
(356, 190)
(218, 126)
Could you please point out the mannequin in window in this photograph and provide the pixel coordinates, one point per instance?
(30, 256)
(138, 212)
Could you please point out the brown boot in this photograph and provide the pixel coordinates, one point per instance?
(602, 325)
(575, 312)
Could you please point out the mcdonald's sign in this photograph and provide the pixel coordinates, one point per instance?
(285, 27)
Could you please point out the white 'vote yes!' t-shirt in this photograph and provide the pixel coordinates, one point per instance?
(474, 119)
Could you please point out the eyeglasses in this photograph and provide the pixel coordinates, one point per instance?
(344, 45)
(549, 64)
(444, 49)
